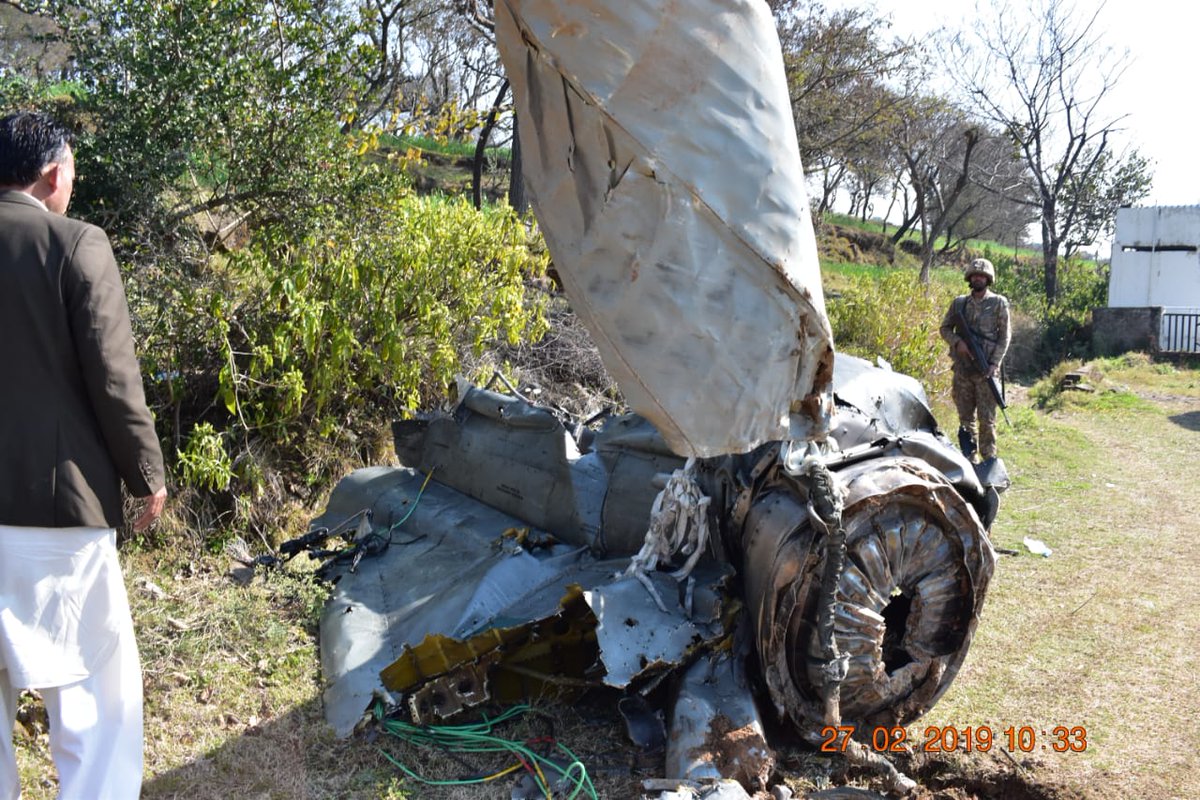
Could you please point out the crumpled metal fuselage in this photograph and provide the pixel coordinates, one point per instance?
(505, 576)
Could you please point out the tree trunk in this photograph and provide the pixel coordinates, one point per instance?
(830, 180)
(926, 259)
(1049, 252)
(481, 145)
(905, 226)
(516, 178)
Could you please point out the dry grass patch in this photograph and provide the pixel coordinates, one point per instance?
(1101, 635)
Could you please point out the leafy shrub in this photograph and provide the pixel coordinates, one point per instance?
(896, 318)
(368, 306)
(299, 351)
(1063, 329)
(204, 463)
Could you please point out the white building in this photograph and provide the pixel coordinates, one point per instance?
(1156, 264)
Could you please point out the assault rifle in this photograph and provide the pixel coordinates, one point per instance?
(981, 361)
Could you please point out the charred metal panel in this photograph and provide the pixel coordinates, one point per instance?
(442, 573)
(918, 564)
(677, 218)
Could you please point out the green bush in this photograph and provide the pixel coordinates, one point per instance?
(368, 306)
(290, 295)
(1064, 328)
(291, 356)
(896, 318)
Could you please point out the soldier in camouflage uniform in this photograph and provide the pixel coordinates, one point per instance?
(987, 315)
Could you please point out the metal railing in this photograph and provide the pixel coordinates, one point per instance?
(1180, 332)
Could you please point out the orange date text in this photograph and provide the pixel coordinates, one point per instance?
(952, 738)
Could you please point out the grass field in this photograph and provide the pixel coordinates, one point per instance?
(1101, 635)
(1099, 638)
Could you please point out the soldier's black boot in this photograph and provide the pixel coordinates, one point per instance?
(966, 442)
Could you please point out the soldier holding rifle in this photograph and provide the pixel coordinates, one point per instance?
(976, 327)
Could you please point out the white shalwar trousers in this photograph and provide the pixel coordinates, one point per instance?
(66, 630)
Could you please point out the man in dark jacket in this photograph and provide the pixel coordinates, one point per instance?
(74, 426)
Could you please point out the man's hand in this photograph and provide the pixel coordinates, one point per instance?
(992, 370)
(152, 510)
(963, 349)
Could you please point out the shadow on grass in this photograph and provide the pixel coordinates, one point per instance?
(1188, 419)
(296, 756)
(291, 756)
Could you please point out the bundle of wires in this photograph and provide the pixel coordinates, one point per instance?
(479, 738)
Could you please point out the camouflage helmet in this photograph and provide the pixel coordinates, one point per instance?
(981, 266)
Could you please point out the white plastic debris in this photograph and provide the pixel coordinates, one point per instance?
(1037, 547)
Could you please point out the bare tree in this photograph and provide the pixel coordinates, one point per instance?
(995, 203)
(1041, 75)
(841, 72)
(938, 170)
(958, 180)
(391, 24)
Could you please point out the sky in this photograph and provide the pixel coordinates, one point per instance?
(1157, 91)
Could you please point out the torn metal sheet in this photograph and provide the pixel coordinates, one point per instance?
(667, 181)
(507, 576)
(453, 592)
(636, 637)
(895, 403)
(444, 572)
(522, 460)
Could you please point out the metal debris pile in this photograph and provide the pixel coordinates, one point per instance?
(773, 532)
(842, 584)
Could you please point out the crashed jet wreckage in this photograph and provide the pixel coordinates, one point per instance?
(771, 529)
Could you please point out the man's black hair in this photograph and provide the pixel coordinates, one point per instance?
(29, 141)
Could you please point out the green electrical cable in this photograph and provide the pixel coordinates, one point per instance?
(478, 738)
(413, 507)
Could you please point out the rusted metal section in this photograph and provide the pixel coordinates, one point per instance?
(908, 601)
(667, 181)
(554, 655)
(716, 730)
(463, 687)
